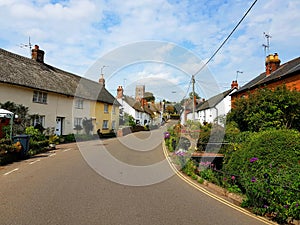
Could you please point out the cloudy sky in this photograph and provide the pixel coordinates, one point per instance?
(157, 43)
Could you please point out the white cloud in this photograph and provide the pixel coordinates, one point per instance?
(74, 34)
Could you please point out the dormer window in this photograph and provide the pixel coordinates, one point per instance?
(39, 97)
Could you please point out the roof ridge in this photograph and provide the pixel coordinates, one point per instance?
(8, 53)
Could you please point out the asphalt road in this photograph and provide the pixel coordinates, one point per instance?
(71, 185)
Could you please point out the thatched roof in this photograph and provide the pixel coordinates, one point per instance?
(21, 71)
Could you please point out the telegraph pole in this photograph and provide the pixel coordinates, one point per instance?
(193, 82)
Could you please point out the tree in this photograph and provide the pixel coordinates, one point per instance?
(178, 108)
(87, 125)
(129, 120)
(21, 111)
(266, 108)
(170, 109)
(149, 97)
(196, 95)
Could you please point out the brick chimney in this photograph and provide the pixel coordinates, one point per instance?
(234, 84)
(144, 102)
(120, 92)
(37, 54)
(272, 63)
(102, 80)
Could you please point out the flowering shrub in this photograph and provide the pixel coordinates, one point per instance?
(269, 171)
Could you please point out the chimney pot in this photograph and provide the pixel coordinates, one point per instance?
(37, 54)
(272, 63)
(102, 80)
(234, 84)
(120, 92)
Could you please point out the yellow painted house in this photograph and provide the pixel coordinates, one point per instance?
(105, 117)
(58, 99)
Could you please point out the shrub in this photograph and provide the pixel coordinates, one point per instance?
(268, 166)
(34, 134)
(38, 145)
(69, 138)
(189, 168)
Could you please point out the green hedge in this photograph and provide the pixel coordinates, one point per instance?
(268, 168)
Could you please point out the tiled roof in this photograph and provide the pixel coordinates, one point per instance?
(21, 71)
(137, 105)
(213, 101)
(285, 70)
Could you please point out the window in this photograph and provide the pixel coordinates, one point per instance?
(79, 103)
(38, 120)
(105, 125)
(113, 125)
(39, 97)
(77, 122)
(114, 109)
(105, 108)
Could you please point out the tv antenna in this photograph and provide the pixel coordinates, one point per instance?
(237, 74)
(267, 46)
(29, 45)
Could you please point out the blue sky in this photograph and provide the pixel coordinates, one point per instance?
(78, 36)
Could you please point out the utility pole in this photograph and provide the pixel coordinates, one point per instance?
(193, 82)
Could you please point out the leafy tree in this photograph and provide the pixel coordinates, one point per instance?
(178, 108)
(170, 109)
(87, 125)
(196, 95)
(23, 120)
(149, 97)
(129, 120)
(266, 108)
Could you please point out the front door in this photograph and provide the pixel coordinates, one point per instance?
(58, 129)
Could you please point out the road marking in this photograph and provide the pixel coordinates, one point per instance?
(203, 190)
(68, 149)
(53, 154)
(11, 171)
(34, 161)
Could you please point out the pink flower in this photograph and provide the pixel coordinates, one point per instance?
(253, 159)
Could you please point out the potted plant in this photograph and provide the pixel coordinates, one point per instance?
(53, 141)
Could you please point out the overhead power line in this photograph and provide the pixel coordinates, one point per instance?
(241, 20)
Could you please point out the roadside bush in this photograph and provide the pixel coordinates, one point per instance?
(35, 134)
(189, 168)
(69, 138)
(268, 166)
(37, 145)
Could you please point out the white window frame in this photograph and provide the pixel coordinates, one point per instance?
(79, 103)
(40, 97)
(38, 119)
(105, 125)
(113, 125)
(77, 121)
(105, 108)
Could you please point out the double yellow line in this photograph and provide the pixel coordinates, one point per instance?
(203, 190)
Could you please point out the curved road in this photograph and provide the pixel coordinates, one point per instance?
(60, 187)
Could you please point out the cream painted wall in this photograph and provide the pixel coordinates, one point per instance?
(60, 106)
(57, 106)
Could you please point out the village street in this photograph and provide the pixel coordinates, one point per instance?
(60, 187)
